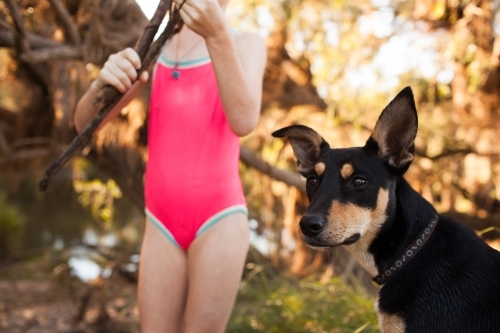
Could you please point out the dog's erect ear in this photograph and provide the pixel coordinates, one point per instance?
(307, 145)
(396, 130)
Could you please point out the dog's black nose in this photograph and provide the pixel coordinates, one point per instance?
(312, 225)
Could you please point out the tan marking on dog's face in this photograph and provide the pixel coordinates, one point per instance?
(320, 168)
(347, 170)
(389, 323)
(345, 220)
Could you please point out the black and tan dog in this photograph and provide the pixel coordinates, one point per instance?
(435, 274)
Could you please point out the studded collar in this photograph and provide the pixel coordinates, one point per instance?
(391, 269)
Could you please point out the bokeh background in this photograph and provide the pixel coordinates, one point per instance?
(69, 256)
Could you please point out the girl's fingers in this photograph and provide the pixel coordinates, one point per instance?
(127, 67)
(205, 17)
(107, 78)
(120, 75)
(132, 56)
(121, 70)
(186, 17)
(144, 77)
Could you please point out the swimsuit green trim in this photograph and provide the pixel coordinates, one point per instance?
(169, 62)
(162, 228)
(219, 216)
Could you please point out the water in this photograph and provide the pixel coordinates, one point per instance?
(54, 220)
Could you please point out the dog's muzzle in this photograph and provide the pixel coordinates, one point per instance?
(312, 225)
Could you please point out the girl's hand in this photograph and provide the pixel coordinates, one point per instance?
(120, 71)
(205, 17)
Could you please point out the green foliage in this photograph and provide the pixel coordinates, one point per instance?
(11, 220)
(99, 197)
(281, 304)
(11, 225)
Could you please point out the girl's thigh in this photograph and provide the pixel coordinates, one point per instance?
(215, 266)
(162, 285)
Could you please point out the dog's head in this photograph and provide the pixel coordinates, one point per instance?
(351, 190)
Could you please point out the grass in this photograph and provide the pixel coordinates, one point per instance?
(277, 303)
(268, 299)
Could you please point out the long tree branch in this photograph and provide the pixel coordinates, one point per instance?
(129, 176)
(105, 102)
(67, 22)
(42, 49)
(25, 155)
(290, 178)
(8, 39)
(62, 52)
(23, 45)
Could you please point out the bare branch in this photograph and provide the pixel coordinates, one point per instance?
(8, 39)
(5, 25)
(31, 141)
(43, 49)
(23, 45)
(446, 153)
(18, 24)
(62, 52)
(67, 21)
(290, 178)
(25, 154)
(10, 156)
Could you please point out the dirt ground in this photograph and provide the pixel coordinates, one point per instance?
(42, 297)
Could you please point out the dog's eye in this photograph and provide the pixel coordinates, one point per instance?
(312, 182)
(358, 182)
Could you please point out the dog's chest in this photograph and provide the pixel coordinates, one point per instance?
(389, 323)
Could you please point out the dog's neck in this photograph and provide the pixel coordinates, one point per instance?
(413, 214)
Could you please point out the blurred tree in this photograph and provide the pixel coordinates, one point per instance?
(56, 46)
(472, 105)
(353, 53)
(332, 65)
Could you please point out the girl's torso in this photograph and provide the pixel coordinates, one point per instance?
(193, 153)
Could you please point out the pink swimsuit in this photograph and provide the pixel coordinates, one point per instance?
(192, 178)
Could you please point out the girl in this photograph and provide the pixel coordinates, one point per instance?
(206, 93)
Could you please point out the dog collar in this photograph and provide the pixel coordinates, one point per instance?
(391, 269)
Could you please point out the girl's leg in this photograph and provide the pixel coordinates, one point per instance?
(215, 266)
(162, 283)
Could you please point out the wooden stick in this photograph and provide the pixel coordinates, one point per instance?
(109, 93)
(105, 102)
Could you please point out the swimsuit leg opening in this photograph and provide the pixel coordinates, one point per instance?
(219, 216)
(156, 222)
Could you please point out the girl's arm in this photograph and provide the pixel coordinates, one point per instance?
(238, 62)
(239, 67)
